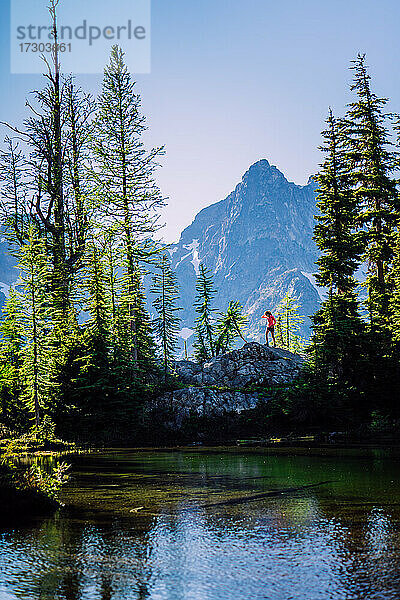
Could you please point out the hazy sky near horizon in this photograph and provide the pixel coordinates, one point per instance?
(233, 82)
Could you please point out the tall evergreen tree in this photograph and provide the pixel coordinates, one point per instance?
(166, 322)
(288, 323)
(229, 327)
(46, 186)
(11, 345)
(204, 344)
(125, 184)
(395, 299)
(336, 230)
(35, 281)
(65, 188)
(337, 329)
(373, 161)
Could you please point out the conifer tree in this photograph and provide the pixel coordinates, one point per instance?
(373, 162)
(337, 327)
(137, 352)
(336, 230)
(11, 344)
(204, 344)
(395, 299)
(45, 185)
(111, 265)
(58, 201)
(289, 322)
(229, 326)
(35, 284)
(128, 195)
(166, 322)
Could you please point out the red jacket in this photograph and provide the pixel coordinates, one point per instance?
(271, 321)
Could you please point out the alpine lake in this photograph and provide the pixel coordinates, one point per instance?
(214, 524)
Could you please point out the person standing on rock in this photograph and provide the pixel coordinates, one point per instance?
(270, 326)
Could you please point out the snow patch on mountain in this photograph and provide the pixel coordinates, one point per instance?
(230, 271)
(195, 254)
(193, 248)
(361, 273)
(5, 289)
(185, 333)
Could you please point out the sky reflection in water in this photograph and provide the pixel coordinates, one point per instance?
(141, 525)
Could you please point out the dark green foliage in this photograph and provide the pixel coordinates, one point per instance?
(288, 323)
(13, 410)
(80, 209)
(358, 220)
(214, 335)
(204, 344)
(336, 232)
(373, 161)
(229, 327)
(166, 323)
(337, 344)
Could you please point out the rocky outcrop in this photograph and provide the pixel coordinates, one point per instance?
(253, 364)
(203, 402)
(224, 384)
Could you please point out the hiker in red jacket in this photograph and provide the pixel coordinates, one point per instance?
(270, 325)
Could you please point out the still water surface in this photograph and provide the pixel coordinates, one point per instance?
(218, 525)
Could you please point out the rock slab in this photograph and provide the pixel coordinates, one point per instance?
(253, 364)
(233, 373)
(203, 402)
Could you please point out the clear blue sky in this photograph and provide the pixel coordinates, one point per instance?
(233, 82)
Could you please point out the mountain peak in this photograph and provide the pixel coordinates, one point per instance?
(258, 244)
(263, 168)
(263, 163)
